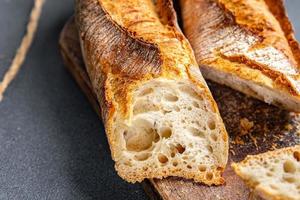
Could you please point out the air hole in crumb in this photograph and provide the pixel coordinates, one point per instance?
(142, 156)
(209, 176)
(166, 132)
(289, 167)
(176, 108)
(172, 154)
(214, 137)
(289, 179)
(196, 132)
(195, 104)
(128, 163)
(296, 155)
(205, 108)
(189, 108)
(175, 163)
(125, 133)
(146, 91)
(162, 158)
(209, 148)
(269, 174)
(274, 187)
(211, 125)
(156, 138)
(142, 106)
(189, 166)
(180, 148)
(265, 163)
(170, 97)
(140, 136)
(191, 92)
(166, 111)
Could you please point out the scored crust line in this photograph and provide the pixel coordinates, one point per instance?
(23, 48)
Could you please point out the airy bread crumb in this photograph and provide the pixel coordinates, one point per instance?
(274, 174)
(172, 130)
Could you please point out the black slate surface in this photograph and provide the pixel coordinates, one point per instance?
(52, 144)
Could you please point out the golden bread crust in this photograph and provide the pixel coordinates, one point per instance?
(126, 44)
(235, 36)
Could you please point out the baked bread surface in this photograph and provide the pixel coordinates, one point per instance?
(159, 115)
(248, 45)
(272, 175)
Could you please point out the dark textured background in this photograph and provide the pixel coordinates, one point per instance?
(52, 144)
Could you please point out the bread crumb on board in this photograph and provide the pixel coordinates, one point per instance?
(288, 127)
(245, 129)
(246, 126)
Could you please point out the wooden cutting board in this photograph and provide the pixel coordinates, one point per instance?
(253, 126)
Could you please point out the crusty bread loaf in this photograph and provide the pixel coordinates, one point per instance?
(274, 174)
(159, 115)
(248, 45)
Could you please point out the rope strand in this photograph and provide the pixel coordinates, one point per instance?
(23, 49)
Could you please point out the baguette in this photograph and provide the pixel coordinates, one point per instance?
(159, 115)
(274, 174)
(248, 45)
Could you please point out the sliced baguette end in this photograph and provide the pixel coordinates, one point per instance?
(272, 175)
(172, 131)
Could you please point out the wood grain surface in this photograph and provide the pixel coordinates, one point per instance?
(252, 125)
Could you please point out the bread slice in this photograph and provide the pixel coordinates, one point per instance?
(274, 174)
(248, 45)
(159, 115)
